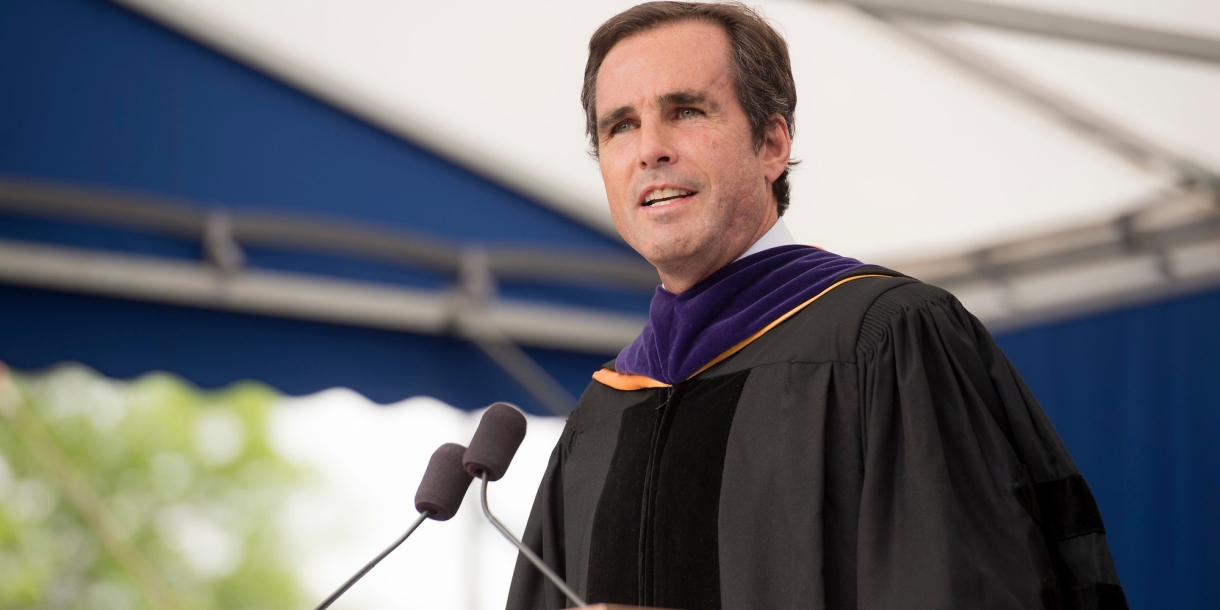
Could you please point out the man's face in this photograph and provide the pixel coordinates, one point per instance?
(686, 187)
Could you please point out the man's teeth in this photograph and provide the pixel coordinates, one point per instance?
(659, 197)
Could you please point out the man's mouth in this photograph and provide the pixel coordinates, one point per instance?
(662, 197)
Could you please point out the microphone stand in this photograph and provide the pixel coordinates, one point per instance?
(351, 581)
(525, 550)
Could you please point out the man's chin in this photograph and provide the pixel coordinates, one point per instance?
(667, 255)
(680, 262)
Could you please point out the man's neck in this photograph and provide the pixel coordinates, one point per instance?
(777, 235)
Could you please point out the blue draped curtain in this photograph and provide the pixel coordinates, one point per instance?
(1135, 394)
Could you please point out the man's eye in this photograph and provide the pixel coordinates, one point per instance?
(688, 113)
(621, 127)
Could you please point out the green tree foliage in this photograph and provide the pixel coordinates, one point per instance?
(184, 480)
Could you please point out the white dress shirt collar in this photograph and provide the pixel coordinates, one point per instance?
(776, 236)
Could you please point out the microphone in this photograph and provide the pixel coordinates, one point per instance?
(495, 442)
(444, 485)
(439, 495)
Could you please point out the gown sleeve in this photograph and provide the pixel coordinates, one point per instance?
(530, 590)
(969, 498)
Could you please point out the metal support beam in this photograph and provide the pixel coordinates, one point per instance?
(307, 297)
(192, 220)
(1054, 25)
(1140, 152)
(477, 287)
(529, 375)
(1161, 246)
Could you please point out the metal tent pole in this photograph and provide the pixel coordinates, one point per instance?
(1056, 25)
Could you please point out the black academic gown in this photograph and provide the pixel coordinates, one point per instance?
(875, 450)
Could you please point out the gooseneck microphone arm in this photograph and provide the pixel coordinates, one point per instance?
(525, 550)
(439, 495)
(358, 575)
(500, 432)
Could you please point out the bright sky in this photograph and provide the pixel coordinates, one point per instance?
(903, 157)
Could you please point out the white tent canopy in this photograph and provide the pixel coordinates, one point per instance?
(906, 156)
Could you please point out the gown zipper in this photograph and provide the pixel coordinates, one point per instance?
(660, 434)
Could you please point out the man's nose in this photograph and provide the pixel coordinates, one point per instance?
(656, 146)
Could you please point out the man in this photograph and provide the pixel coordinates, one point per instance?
(793, 429)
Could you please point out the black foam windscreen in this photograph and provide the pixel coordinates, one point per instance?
(445, 483)
(495, 442)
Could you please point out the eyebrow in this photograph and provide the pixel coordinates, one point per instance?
(676, 98)
(611, 119)
(682, 98)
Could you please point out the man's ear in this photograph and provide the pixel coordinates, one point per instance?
(776, 148)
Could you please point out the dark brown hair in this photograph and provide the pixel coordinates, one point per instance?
(761, 69)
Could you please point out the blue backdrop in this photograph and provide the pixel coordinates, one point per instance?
(95, 94)
(1135, 394)
(98, 96)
